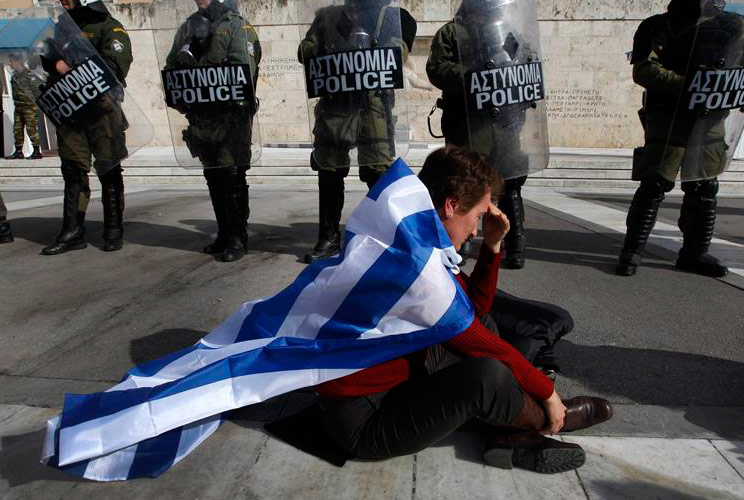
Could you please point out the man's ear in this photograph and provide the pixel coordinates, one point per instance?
(450, 207)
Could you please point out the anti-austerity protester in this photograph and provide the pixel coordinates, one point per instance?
(686, 117)
(409, 403)
(353, 56)
(217, 46)
(25, 87)
(87, 61)
(486, 62)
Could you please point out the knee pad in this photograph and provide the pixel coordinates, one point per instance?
(706, 189)
(113, 176)
(515, 184)
(655, 187)
(72, 173)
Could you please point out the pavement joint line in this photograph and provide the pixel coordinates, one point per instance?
(581, 481)
(58, 378)
(664, 235)
(726, 459)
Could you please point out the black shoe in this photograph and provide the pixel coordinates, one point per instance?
(531, 450)
(323, 249)
(73, 239)
(627, 264)
(6, 235)
(36, 155)
(513, 260)
(113, 245)
(705, 264)
(234, 250)
(17, 155)
(217, 246)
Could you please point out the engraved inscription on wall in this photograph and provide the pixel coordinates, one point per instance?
(580, 104)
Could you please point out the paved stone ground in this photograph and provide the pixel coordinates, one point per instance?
(664, 346)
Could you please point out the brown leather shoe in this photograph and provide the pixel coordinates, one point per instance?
(532, 451)
(585, 411)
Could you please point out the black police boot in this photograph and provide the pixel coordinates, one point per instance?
(330, 204)
(72, 236)
(236, 204)
(112, 197)
(512, 206)
(17, 155)
(6, 235)
(36, 155)
(218, 198)
(697, 220)
(640, 221)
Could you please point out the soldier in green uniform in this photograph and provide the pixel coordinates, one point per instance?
(24, 86)
(667, 48)
(473, 41)
(361, 120)
(100, 135)
(6, 235)
(219, 134)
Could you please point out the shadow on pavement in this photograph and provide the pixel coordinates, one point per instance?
(576, 248)
(655, 377)
(297, 239)
(162, 343)
(647, 489)
(19, 460)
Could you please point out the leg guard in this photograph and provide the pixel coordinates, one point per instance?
(112, 198)
(6, 235)
(236, 204)
(218, 198)
(330, 205)
(697, 220)
(640, 221)
(513, 207)
(76, 197)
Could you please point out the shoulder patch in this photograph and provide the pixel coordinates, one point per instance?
(119, 29)
(117, 46)
(88, 35)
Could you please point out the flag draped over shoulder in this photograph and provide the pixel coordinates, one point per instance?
(390, 291)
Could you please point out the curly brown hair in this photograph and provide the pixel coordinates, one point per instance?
(461, 174)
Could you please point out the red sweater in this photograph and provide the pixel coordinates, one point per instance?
(474, 342)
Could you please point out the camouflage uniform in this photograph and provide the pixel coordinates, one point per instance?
(494, 134)
(26, 112)
(100, 136)
(353, 120)
(665, 47)
(220, 133)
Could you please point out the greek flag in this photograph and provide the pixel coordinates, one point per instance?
(390, 291)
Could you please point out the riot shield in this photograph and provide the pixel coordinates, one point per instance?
(76, 90)
(353, 55)
(209, 58)
(703, 129)
(503, 114)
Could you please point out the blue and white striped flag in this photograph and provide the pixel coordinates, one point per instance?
(391, 291)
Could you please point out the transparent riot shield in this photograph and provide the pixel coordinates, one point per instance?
(353, 55)
(209, 58)
(704, 127)
(497, 69)
(76, 90)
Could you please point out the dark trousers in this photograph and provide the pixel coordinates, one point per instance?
(421, 411)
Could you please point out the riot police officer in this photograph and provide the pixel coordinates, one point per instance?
(24, 86)
(480, 38)
(99, 133)
(364, 120)
(668, 50)
(219, 134)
